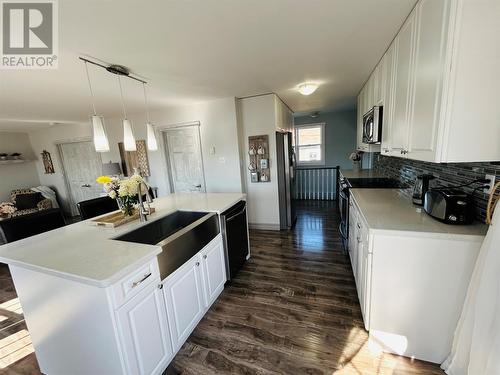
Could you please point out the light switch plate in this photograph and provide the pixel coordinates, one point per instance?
(490, 177)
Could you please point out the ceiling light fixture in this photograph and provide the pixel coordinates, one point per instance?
(101, 142)
(307, 88)
(128, 132)
(151, 137)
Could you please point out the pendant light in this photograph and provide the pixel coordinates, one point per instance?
(151, 137)
(128, 133)
(101, 142)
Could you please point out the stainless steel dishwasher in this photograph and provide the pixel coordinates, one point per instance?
(235, 235)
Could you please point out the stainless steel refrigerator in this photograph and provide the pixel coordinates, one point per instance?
(285, 159)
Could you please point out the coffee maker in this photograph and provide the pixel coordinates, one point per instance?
(420, 188)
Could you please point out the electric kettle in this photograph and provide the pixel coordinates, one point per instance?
(420, 188)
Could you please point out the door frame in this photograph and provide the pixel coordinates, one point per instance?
(161, 133)
(58, 145)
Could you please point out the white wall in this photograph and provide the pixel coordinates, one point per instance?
(218, 129)
(15, 176)
(258, 117)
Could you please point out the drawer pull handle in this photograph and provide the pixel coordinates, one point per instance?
(197, 264)
(136, 283)
(205, 256)
(359, 226)
(160, 286)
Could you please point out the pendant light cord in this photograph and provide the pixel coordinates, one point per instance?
(90, 87)
(121, 95)
(146, 102)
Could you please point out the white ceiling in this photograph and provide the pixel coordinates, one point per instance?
(195, 50)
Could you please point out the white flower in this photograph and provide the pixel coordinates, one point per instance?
(112, 194)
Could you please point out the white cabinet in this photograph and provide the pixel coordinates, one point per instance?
(411, 285)
(428, 74)
(442, 98)
(400, 122)
(143, 326)
(360, 257)
(214, 271)
(387, 77)
(185, 300)
(191, 290)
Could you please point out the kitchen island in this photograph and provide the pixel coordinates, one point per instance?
(94, 304)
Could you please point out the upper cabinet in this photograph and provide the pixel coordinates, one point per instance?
(404, 50)
(439, 85)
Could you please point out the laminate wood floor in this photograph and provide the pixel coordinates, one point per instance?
(292, 309)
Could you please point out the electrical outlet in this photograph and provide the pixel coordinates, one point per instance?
(490, 177)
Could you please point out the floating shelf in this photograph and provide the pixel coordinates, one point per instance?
(13, 161)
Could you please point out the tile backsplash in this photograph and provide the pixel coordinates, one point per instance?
(447, 174)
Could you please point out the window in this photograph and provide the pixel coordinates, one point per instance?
(310, 144)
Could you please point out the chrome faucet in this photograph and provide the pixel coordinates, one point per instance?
(143, 212)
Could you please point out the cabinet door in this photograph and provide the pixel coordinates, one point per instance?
(143, 325)
(369, 93)
(429, 61)
(361, 112)
(185, 302)
(387, 77)
(378, 85)
(214, 271)
(353, 232)
(400, 123)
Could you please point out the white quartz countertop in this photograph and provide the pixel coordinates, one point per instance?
(392, 210)
(87, 253)
(362, 173)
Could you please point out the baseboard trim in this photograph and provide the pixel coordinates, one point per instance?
(259, 226)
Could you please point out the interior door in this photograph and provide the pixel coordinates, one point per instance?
(185, 162)
(82, 165)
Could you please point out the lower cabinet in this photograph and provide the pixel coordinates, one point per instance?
(192, 289)
(155, 323)
(185, 300)
(143, 325)
(214, 271)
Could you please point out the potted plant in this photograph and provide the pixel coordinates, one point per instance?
(16, 156)
(124, 191)
(356, 157)
(3, 156)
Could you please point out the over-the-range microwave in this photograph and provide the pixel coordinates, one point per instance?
(372, 125)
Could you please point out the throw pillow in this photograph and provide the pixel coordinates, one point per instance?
(28, 201)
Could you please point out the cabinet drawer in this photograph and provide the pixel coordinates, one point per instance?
(134, 282)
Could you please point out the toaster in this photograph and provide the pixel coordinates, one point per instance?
(451, 206)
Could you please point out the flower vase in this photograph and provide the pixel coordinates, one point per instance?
(125, 206)
(356, 165)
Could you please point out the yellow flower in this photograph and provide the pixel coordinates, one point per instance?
(103, 179)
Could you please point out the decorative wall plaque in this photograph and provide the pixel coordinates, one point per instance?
(135, 160)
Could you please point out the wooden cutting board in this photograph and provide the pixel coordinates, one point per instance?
(115, 219)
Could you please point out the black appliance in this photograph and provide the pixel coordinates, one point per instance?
(420, 188)
(235, 237)
(372, 125)
(358, 183)
(451, 206)
(285, 162)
